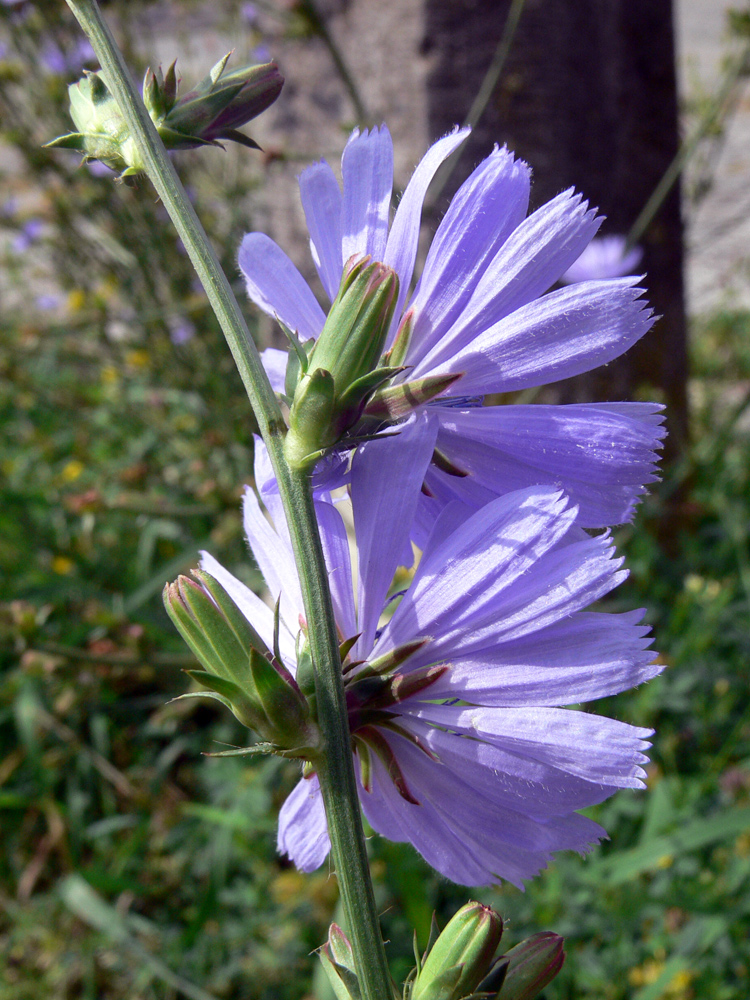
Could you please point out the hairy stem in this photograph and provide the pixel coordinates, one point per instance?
(336, 772)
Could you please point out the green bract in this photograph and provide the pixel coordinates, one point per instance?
(240, 671)
(213, 110)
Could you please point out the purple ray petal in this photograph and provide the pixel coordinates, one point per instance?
(321, 200)
(564, 580)
(303, 832)
(566, 332)
(386, 477)
(273, 555)
(483, 213)
(526, 265)
(336, 551)
(401, 250)
(597, 749)
(512, 844)
(508, 778)
(577, 659)
(602, 456)
(367, 171)
(424, 827)
(276, 286)
(275, 362)
(463, 578)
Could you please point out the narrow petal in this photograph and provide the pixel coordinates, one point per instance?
(276, 286)
(303, 831)
(601, 455)
(566, 332)
(527, 264)
(386, 478)
(577, 659)
(367, 171)
(275, 362)
(401, 250)
(335, 543)
(321, 201)
(463, 579)
(274, 557)
(483, 213)
(563, 580)
(597, 749)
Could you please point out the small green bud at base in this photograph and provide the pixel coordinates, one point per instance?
(462, 955)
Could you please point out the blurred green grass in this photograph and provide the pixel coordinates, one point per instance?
(132, 866)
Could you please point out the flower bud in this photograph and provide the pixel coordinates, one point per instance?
(533, 963)
(334, 383)
(212, 111)
(338, 963)
(461, 957)
(355, 331)
(238, 670)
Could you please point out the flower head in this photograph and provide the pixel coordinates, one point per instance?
(462, 742)
(604, 257)
(481, 319)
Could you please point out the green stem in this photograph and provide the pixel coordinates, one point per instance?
(336, 773)
(737, 68)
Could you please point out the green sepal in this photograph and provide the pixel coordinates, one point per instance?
(253, 751)
(351, 402)
(241, 627)
(493, 981)
(396, 401)
(338, 963)
(230, 655)
(73, 140)
(248, 712)
(311, 419)
(284, 705)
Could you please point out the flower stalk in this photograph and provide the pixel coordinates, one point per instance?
(336, 773)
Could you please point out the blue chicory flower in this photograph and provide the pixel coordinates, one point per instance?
(604, 257)
(482, 309)
(462, 744)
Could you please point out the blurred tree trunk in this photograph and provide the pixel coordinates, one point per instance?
(588, 97)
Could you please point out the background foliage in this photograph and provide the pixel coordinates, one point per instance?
(132, 865)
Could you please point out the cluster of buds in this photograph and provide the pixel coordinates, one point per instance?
(215, 109)
(239, 671)
(460, 962)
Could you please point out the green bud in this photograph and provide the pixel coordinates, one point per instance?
(238, 670)
(533, 963)
(212, 111)
(338, 963)
(355, 331)
(461, 957)
(340, 375)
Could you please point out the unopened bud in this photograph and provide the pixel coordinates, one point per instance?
(533, 963)
(214, 110)
(238, 670)
(333, 384)
(462, 955)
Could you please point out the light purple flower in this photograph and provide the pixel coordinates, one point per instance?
(31, 231)
(462, 744)
(481, 309)
(181, 331)
(604, 257)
